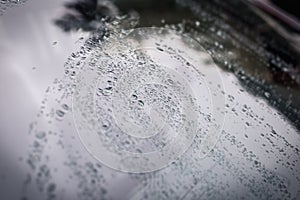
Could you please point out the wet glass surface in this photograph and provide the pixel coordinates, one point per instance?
(46, 46)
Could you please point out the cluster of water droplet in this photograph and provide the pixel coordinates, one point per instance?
(257, 156)
(142, 94)
(5, 4)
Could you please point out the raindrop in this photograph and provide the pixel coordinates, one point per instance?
(40, 135)
(60, 113)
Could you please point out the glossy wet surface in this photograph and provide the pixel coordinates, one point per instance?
(255, 157)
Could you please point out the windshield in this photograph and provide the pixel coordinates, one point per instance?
(147, 100)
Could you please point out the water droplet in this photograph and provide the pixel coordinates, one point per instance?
(40, 135)
(60, 113)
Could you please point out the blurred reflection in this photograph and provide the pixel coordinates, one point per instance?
(86, 15)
